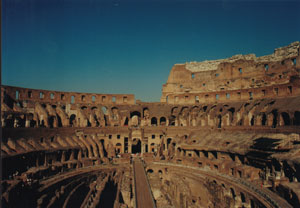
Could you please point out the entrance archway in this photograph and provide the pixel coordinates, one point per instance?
(136, 146)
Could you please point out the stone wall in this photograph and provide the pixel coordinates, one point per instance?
(242, 74)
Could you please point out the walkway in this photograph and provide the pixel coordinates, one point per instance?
(143, 196)
(272, 199)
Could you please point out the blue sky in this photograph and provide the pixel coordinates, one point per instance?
(130, 46)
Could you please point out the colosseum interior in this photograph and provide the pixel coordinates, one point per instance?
(225, 134)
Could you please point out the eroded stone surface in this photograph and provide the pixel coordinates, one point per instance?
(230, 140)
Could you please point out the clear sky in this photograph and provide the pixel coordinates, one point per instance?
(122, 46)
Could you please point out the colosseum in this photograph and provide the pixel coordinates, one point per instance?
(224, 134)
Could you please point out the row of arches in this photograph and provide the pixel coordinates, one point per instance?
(256, 113)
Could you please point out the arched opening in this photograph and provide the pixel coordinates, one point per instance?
(118, 148)
(145, 112)
(172, 121)
(152, 146)
(163, 121)
(243, 198)
(275, 114)
(126, 121)
(103, 147)
(20, 121)
(232, 193)
(252, 121)
(252, 204)
(136, 146)
(179, 151)
(42, 123)
(94, 108)
(153, 121)
(135, 118)
(32, 122)
(174, 111)
(286, 118)
(73, 120)
(219, 121)
(297, 118)
(115, 112)
(264, 119)
(51, 121)
(168, 142)
(135, 113)
(104, 110)
(149, 171)
(59, 122)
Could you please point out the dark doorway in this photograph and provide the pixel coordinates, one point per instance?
(136, 146)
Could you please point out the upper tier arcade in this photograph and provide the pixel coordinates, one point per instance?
(18, 94)
(239, 78)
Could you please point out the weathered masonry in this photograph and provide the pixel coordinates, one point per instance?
(225, 134)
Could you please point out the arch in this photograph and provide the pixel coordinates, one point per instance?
(212, 107)
(286, 118)
(126, 121)
(114, 113)
(73, 120)
(102, 143)
(149, 171)
(94, 108)
(264, 119)
(136, 146)
(152, 147)
(243, 198)
(169, 142)
(32, 121)
(83, 107)
(252, 204)
(296, 118)
(232, 193)
(219, 121)
(145, 110)
(174, 111)
(135, 118)
(153, 121)
(118, 148)
(163, 121)
(275, 115)
(51, 121)
(104, 110)
(195, 107)
(135, 113)
(232, 111)
(59, 122)
(172, 120)
(252, 121)
(183, 109)
(114, 108)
